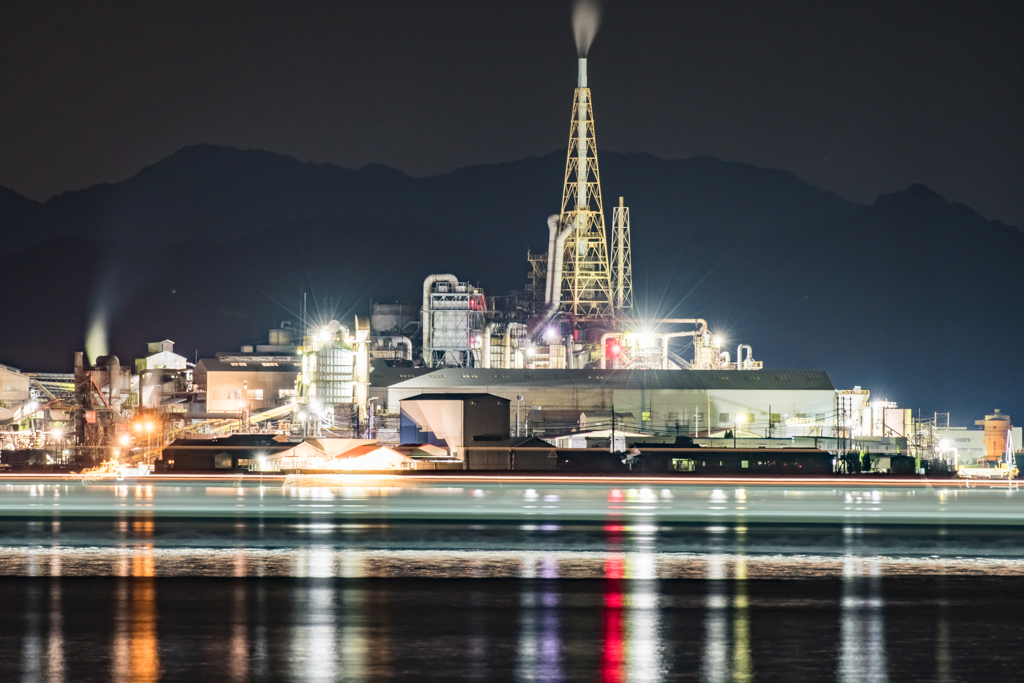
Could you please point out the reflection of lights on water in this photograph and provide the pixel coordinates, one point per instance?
(540, 637)
(862, 626)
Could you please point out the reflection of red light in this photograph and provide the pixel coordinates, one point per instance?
(614, 528)
(614, 568)
(615, 494)
(613, 655)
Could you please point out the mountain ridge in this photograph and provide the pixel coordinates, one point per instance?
(210, 247)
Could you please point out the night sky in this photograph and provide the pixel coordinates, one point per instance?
(856, 97)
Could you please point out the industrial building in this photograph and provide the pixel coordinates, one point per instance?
(567, 359)
(650, 401)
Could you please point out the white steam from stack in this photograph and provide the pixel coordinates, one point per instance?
(586, 18)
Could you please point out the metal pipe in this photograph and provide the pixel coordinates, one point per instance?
(568, 353)
(664, 344)
(727, 357)
(556, 276)
(486, 344)
(425, 313)
(604, 341)
(552, 234)
(739, 355)
(675, 321)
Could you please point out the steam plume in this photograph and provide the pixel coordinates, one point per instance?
(96, 337)
(586, 18)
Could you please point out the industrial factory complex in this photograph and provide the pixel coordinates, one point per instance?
(564, 374)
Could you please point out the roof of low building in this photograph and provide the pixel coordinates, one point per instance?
(792, 380)
(385, 376)
(453, 397)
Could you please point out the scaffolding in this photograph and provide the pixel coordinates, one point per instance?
(622, 260)
(586, 276)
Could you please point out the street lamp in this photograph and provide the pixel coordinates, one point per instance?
(519, 399)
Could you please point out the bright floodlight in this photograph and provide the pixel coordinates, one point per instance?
(325, 334)
(56, 432)
(125, 439)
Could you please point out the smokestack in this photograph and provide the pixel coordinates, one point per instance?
(582, 172)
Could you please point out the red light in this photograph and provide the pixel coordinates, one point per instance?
(612, 349)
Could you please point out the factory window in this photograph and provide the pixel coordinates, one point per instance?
(673, 418)
(270, 365)
(800, 416)
(775, 417)
(754, 378)
(748, 418)
(723, 418)
(240, 365)
(285, 393)
(254, 394)
(234, 393)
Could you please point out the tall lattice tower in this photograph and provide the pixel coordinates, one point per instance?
(622, 261)
(586, 277)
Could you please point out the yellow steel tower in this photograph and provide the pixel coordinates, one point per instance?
(586, 278)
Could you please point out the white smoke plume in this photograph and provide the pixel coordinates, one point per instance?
(586, 18)
(96, 337)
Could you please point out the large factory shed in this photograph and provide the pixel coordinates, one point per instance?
(473, 427)
(657, 400)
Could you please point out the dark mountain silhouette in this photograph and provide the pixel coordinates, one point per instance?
(914, 297)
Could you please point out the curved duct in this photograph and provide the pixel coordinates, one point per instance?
(425, 313)
(739, 355)
(726, 359)
(555, 274)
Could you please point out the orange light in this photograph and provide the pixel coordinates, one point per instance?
(149, 426)
(125, 439)
(137, 426)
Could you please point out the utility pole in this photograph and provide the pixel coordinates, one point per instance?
(611, 447)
